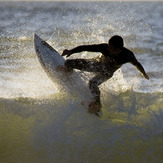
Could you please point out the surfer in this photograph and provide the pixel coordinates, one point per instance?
(114, 55)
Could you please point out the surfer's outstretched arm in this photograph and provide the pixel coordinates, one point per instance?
(139, 67)
(89, 48)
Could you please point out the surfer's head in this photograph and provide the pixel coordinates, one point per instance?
(115, 44)
(116, 41)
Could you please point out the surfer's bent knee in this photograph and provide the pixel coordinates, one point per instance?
(68, 64)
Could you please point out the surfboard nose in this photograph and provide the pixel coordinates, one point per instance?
(36, 37)
(37, 41)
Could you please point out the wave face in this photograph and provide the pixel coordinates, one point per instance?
(40, 124)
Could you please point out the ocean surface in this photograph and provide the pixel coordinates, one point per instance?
(39, 123)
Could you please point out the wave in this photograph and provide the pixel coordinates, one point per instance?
(131, 126)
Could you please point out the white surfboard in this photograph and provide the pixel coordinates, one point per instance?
(50, 59)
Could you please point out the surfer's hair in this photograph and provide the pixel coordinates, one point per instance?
(116, 41)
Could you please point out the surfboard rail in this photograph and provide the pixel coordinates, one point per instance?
(49, 58)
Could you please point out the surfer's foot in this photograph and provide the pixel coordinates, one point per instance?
(95, 107)
(64, 70)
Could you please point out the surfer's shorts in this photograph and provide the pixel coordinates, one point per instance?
(89, 65)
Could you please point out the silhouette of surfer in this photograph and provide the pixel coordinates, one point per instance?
(114, 55)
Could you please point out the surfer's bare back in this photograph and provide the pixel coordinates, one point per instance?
(114, 55)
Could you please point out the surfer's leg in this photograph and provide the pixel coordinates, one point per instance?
(95, 105)
(93, 86)
(63, 69)
(89, 65)
(68, 66)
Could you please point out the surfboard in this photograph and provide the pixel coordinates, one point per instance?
(49, 58)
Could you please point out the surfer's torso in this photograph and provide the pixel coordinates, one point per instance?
(113, 61)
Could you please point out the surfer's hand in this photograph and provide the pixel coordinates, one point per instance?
(66, 52)
(146, 76)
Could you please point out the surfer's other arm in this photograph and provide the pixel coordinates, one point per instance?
(89, 48)
(139, 66)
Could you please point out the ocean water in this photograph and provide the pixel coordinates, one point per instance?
(39, 123)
